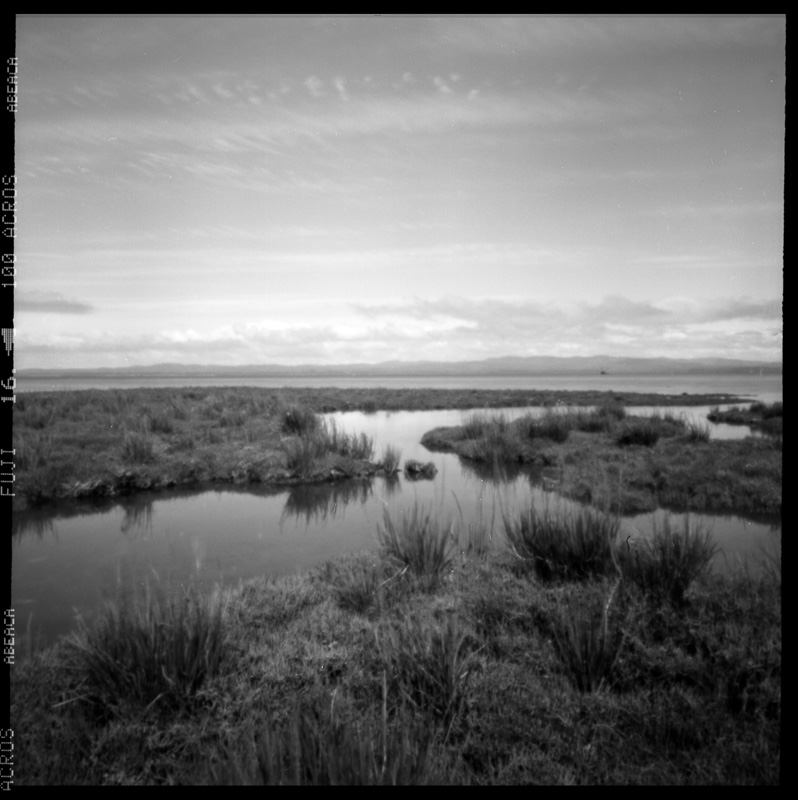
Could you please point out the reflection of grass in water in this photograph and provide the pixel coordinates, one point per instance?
(319, 502)
(138, 516)
(391, 485)
(36, 523)
(494, 473)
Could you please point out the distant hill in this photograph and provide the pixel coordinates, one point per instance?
(506, 366)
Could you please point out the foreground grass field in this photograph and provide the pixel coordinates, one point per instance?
(630, 464)
(567, 658)
(85, 444)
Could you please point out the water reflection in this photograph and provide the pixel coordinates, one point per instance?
(496, 474)
(320, 502)
(138, 515)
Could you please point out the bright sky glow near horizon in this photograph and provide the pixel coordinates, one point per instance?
(252, 190)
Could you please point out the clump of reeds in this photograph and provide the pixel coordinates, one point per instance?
(391, 457)
(316, 747)
(612, 409)
(475, 424)
(420, 543)
(696, 432)
(587, 645)
(298, 420)
(768, 411)
(356, 586)
(643, 432)
(338, 441)
(564, 544)
(32, 450)
(664, 566)
(149, 649)
(37, 418)
(137, 447)
(554, 425)
(497, 444)
(428, 667)
(475, 536)
(159, 421)
(301, 452)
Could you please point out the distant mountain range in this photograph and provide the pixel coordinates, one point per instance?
(508, 365)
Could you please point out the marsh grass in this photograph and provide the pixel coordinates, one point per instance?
(643, 432)
(138, 447)
(391, 456)
(587, 645)
(555, 425)
(420, 542)
(315, 747)
(356, 586)
(33, 450)
(298, 419)
(496, 445)
(150, 649)
(562, 544)
(664, 566)
(475, 535)
(301, 452)
(428, 667)
(160, 421)
(693, 697)
(696, 432)
(476, 424)
(338, 441)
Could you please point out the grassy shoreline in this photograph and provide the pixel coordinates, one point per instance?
(104, 443)
(440, 660)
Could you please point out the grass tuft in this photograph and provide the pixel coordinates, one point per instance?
(137, 448)
(156, 649)
(420, 543)
(564, 545)
(587, 646)
(391, 456)
(697, 432)
(645, 432)
(428, 667)
(665, 566)
(298, 420)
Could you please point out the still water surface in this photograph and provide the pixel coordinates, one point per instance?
(65, 562)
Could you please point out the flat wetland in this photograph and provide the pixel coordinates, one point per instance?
(565, 656)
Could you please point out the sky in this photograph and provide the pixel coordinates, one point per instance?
(326, 190)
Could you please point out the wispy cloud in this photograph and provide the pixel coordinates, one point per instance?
(48, 303)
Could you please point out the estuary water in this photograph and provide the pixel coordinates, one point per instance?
(67, 560)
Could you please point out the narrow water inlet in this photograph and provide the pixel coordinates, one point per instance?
(69, 559)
